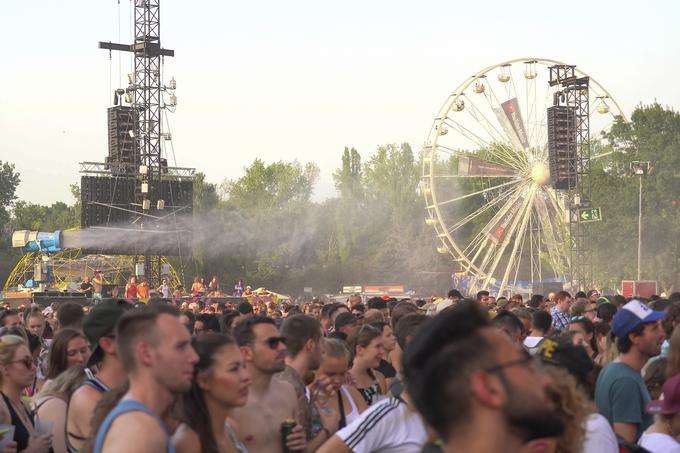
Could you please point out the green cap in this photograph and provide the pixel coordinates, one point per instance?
(101, 322)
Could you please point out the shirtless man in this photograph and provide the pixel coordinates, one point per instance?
(99, 327)
(271, 401)
(155, 350)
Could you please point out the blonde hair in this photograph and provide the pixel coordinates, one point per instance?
(573, 405)
(8, 347)
(610, 353)
(64, 385)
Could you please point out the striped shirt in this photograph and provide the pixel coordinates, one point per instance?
(389, 426)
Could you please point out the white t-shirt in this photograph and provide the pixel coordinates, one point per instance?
(388, 426)
(659, 443)
(600, 437)
(531, 343)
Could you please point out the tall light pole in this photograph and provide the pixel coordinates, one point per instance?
(640, 168)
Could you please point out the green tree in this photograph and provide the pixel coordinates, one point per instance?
(653, 134)
(391, 176)
(9, 181)
(349, 178)
(265, 188)
(205, 194)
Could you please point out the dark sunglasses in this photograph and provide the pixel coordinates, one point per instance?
(273, 342)
(27, 361)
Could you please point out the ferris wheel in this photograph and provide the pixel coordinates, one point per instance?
(486, 175)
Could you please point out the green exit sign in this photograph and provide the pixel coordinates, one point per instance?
(589, 215)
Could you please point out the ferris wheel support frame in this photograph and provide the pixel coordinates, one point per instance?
(576, 251)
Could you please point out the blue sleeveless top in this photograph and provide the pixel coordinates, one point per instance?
(123, 407)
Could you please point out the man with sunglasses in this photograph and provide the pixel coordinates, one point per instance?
(270, 401)
(468, 379)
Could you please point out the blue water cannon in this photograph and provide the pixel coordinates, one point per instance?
(37, 241)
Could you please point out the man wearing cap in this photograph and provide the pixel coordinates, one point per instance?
(99, 327)
(661, 436)
(620, 393)
(345, 323)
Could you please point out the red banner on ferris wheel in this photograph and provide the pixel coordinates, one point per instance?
(514, 116)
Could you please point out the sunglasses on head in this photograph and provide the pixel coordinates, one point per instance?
(273, 342)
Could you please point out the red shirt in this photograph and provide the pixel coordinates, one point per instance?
(131, 292)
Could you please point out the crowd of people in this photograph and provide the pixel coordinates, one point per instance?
(562, 373)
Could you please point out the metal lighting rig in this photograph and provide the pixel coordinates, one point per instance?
(134, 188)
(569, 160)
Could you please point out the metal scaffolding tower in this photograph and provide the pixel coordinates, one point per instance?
(145, 94)
(573, 96)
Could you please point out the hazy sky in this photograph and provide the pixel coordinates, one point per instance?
(285, 80)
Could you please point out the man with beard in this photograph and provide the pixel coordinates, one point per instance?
(620, 393)
(271, 401)
(304, 343)
(468, 379)
(155, 350)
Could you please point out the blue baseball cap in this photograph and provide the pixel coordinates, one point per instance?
(632, 315)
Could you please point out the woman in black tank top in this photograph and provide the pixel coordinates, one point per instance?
(19, 371)
(367, 345)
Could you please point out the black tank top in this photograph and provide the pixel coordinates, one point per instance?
(21, 434)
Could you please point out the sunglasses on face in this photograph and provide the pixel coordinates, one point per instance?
(27, 361)
(273, 342)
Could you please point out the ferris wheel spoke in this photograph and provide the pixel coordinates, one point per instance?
(514, 194)
(479, 192)
(514, 257)
(548, 215)
(530, 109)
(478, 115)
(483, 239)
(534, 247)
(448, 150)
(479, 211)
(467, 133)
(505, 242)
(519, 105)
(519, 258)
(506, 153)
